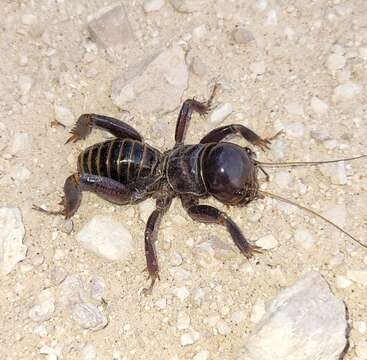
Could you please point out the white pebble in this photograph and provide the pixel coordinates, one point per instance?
(258, 311)
(161, 303)
(319, 106)
(29, 19)
(183, 320)
(188, 6)
(88, 316)
(346, 91)
(319, 134)
(25, 83)
(201, 355)
(40, 330)
(242, 36)
(336, 214)
(304, 238)
(89, 352)
(330, 144)
(21, 143)
(11, 239)
(271, 18)
(294, 108)
(186, 339)
(182, 293)
(200, 32)
(295, 129)
(267, 242)
(220, 113)
(238, 316)
(258, 68)
(106, 238)
(97, 288)
(335, 62)
(146, 207)
(342, 282)
(358, 275)
(58, 275)
(223, 328)
(153, 5)
(360, 326)
(43, 311)
(198, 67)
(64, 115)
(283, 179)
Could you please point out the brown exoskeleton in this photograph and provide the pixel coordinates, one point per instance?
(126, 170)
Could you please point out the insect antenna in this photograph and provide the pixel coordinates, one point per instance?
(280, 198)
(305, 163)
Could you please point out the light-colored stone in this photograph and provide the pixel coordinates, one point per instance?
(152, 5)
(294, 108)
(242, 36)
(358, 275)
(106, 238)
(89, 352)
(335, 62)
(342, 282)
(304, 238)
(154, 85)
(188, 6)
(43, 311)
(223, 327)
(12, 249)
(336, 213)
(64, 115)
(294, 129)
(346, 91)
(183, 320)
(298, 323)
(21, 143)
(258, 311)
(220, 113)
(201, 355)
(25, 83)
(258, 68)
(318, 106)
(88, 316)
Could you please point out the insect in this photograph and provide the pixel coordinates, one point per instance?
(126, 170)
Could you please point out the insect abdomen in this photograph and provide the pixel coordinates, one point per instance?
(123, 160)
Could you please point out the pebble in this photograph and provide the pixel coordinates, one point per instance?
(342, 282)
(304, 238)
(336, 172)
(267, 242)
(29, 19)
(64, 115)
(51, 352)
(107, 238)
(336, 214)
(358, 275)
(220, 113)
(223, 328)
(43, 311)
(319, 106)
(66, 225)
(89, 352)
(346, 91)
(152, 5)
(200, 32)
(283, 179)
(271, 18)
(294, 108)
(242, 36)
(11, 239)
(182, 293)
(21, 143)
(188, 6)
(146, 207)
(97, 288)
(161, 303)
(335, 62)
(319, 134)
(88, 316)
(238, 316)
(72, 291)
(25, 83)
(258, 311)
(19, 173)
(201, 355)
(298, 324)
(360, 326)
(187, 339)
(258, 68)
(110, 27)
(40, 330)
(58, 275)
(295, 129)
(183, 320)
(167, 76)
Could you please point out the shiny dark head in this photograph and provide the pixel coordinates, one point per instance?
(229, 173)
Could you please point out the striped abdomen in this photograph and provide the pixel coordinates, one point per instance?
(123, 160)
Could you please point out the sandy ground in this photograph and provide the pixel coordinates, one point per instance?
(294, 47)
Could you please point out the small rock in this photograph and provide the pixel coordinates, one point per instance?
(43, 311)
(346, 91)
(258, 311)
(25, 83)
(358, 275)
(51, 352)
(238, 316)
(183, 321)
(298, 323)
(200, 32)
(360, 326)
(153, 5)
(72, 291)
(19, 173)
(40, 330)
(66, 225)
(342, 282)
(198, 296)
(201, 355)
(258, 68)
(12, 249)
(220, 113)
(304, 238)
(161, 303)
(146, 207)
(267, 242)
(89, 352)
(106, 238)
(335, 62)
(97, 288)
(198, 67)
(330, 144)
(187, 339)
(294, 108)
(88, 316)
(319, 106)
(271, 18)
(110, 27)
(320, 134)
(223, 328)
(336, 214)
(283, 179)
(188, 6)
(64, 115)
(182, 293)
(21, 143)
(154, 85)
(58, 275)
(295, 129)
(242, 36)
(29, 19)
(336, 172)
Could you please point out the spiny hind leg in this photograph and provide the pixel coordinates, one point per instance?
(87, 122)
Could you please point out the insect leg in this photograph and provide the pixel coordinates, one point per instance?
(220, 133)
(209, 214)
(186, 111)
(150, 238)
(87, 122)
